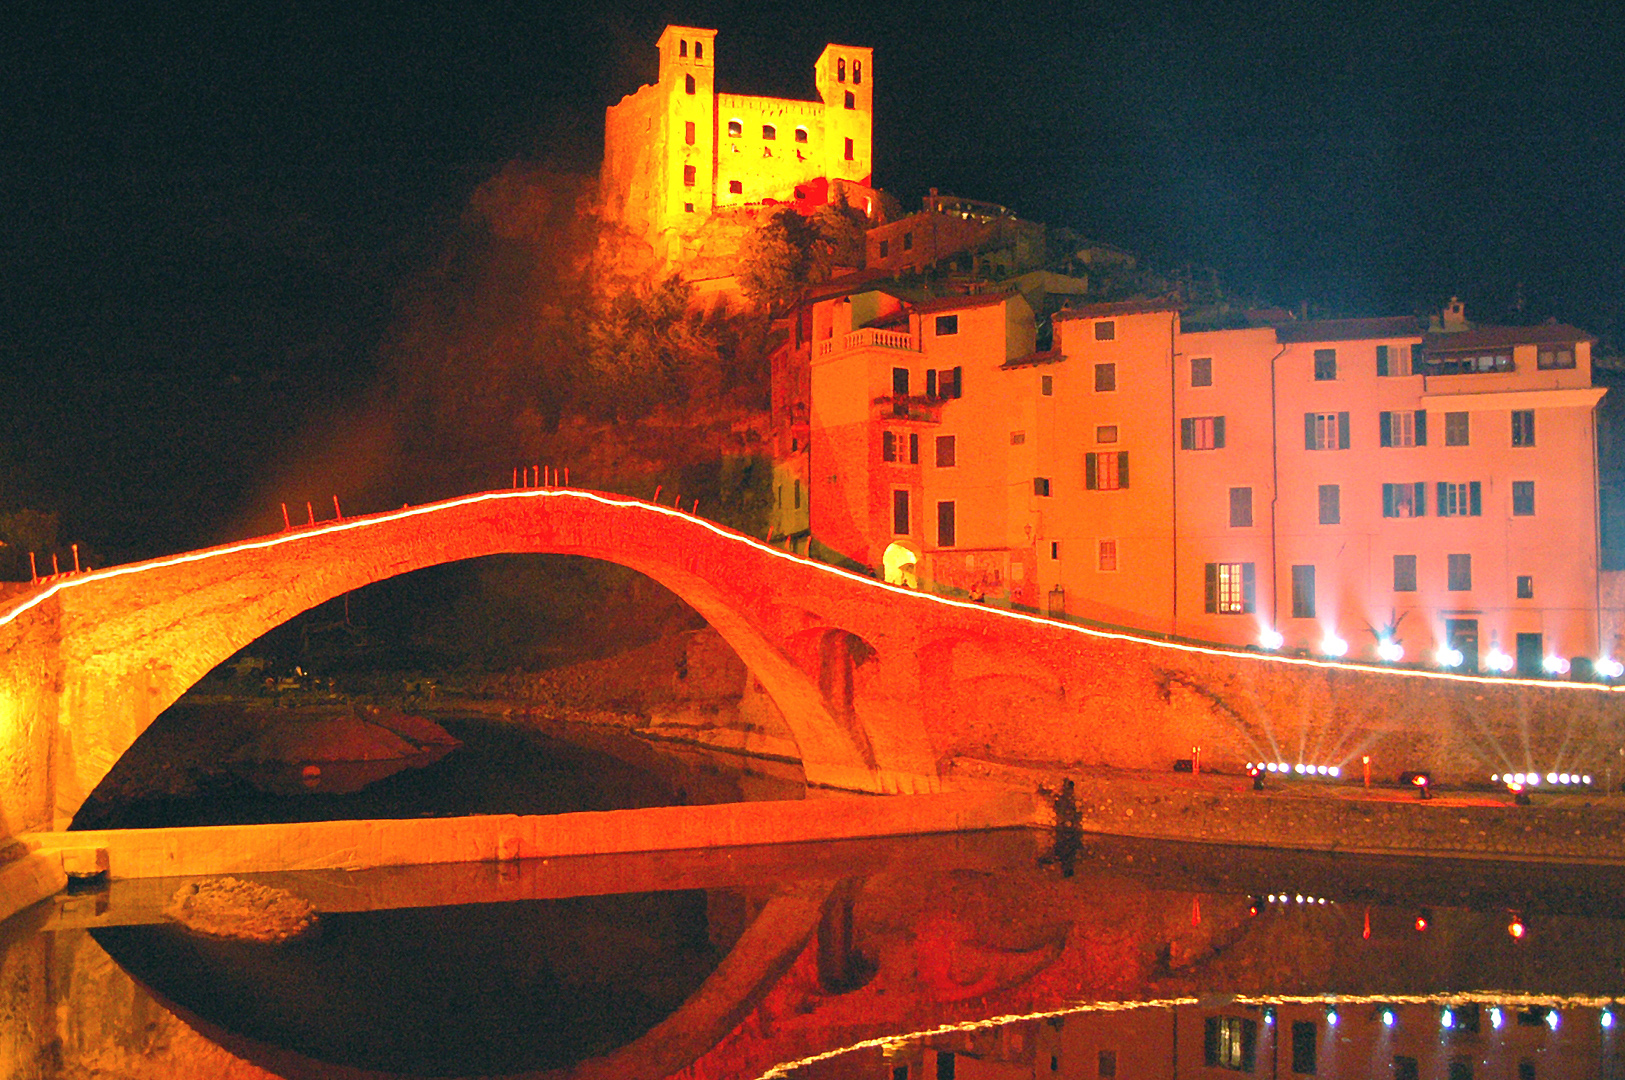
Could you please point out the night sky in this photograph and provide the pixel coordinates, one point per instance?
(210, 215)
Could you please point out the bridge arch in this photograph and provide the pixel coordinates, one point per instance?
(131, 640)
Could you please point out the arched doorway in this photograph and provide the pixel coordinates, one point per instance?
(901, 565)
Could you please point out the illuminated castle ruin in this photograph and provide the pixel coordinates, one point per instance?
(677, 153)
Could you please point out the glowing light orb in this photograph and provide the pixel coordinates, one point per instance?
(1387, 1018)
(1391, 651)
(1271, 639)
(1332, 645)
(1609, 668)
(1498, 661)
(1516, 929)
(1448, 657)
(1555, 665)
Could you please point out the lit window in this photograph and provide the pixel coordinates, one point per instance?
(769, 132)
(688, 84)
(1326, 431)
(1404, 500)
(1523, 427)
(1105, 470)
(947, 324)
(1303, 592)
(1325, 365)
(1041, 486)
(1470, 363)
(1523, 498)
(1231, 588)
(736, 128)
(946, 451)
(1241, 507)
(1106, 555)
(1201, 371)
(945, 524)
(688, 176)
(1230, 1042)
(801, 134)
(1403, 428)
(1459, 500)
(1201, 433)
(1331, 511)
(1526, 586)
(1046, 385)
(1106, 433)
(851, 100)
(1105, 375)
(736, 187)
(1459, 573)
(1455, 428)
(1555, 356)
(1404, 573)
(1105, 331)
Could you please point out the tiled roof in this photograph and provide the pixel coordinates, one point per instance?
(1051, 356)
(1485, 337)
(1120, 307)
(1401, 326)
(961, 303)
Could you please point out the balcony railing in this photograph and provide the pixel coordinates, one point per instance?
(901, 340)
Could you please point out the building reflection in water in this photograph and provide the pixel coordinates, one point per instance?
(958, 957)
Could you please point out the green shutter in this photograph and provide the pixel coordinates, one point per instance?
(1343, 431)
(959, 383)
(1474, 496)
(1387, 500)
(1089, 472)
(1443, 493)
(1249, 588)
(1212, 588)
(1308, 431)
(1385, 429)
(1218, 433)
(931, 382)
(1421, 427)
(1421, 499)
(1122, 468)
(1382, 363)
(1187, 433)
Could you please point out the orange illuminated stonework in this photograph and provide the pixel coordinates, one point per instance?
(1348, 485)
(678, 151)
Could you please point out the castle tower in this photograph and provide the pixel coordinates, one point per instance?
(688, 93)
(844, 76)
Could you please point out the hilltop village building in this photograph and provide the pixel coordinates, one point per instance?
(1360, 487)
(679, 152)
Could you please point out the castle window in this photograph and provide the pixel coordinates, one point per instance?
(736, 128)
(682, 48)
(849, 149)
(699, 54)
(688, 208)
(857, 71)
(801, 134)
(688, 132)
(736, 187)
(688, 176)
(885, 249)
(908, 241)
(688, 84)
(840, 70)
(769, 131)
(851, 100)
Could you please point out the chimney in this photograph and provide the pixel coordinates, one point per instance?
(1455, 316)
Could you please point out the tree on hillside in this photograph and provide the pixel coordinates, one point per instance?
(646, 347)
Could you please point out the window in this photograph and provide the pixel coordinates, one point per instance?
(857, 71)
(1104, 471)
(1404, 573)
(1403, 428)
(849, 150)
(1201, 371)
(1201, 433)
(688, 176)
(1229, 1042)
(1325, 365)
(1391, 360)
(1459, 573)
(1241, 508)
(1304, 1038)
(945, 383)
(736, 187)
(1460, 500)
(945, 1065)
(888, 446)
(688, 132)
(945, 524)
(913, 448)
(1303, 592)
(1326, 431)
(1554, 356)
(688, 208)
(1460, 1069)
(801, 134)
(1404, 500)
(1384, 364)
(1526, 586)
(769, 132)
(699, 50)
(908, 241)
(1106, 555)
(899, 513)
(798, 495)
(1105, 375)
(1523, 498)
(1106, 331)
(1470, 363)
(1455, 428)
(688, 84)
(1523, 427)
(947, 324)
(1018, 438)
(1106, 433)
(1046, 385)
(946, 451)
(1107, 1066)
(682, 48)
(1230, 589)
(899, 381)
(1055, 549)
(1041, 486)
(736, 128)
(851, 100)
(885, 249)
(840, 69)
(1331, 510)
(1405, 1068)
(899, 1072)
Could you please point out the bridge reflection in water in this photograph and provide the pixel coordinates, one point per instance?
(895, 959)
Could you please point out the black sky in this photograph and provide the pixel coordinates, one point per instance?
(210, 211)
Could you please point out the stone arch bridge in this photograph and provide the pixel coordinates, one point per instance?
(883, 688)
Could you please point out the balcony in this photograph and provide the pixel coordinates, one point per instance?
(926, 410)
(870, 337)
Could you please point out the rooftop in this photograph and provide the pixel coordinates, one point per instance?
(1484, 337)
(1401, 326)
(1120, 307)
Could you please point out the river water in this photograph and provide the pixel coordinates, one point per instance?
(987, 955)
